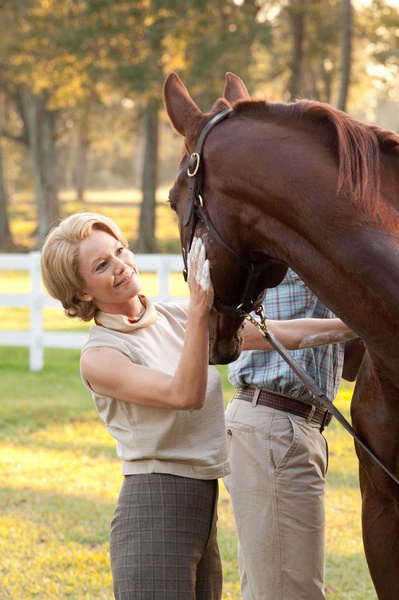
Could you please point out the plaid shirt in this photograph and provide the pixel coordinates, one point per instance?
(292, 299)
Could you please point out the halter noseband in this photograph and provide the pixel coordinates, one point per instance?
(195, 211)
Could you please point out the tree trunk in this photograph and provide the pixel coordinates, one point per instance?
(146, 236)
(297, 14)
(82, 162)
(347, 16)
(40, 126)
(6, 241)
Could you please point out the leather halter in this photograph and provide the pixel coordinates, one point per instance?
(195, 210)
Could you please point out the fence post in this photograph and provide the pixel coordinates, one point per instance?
(163, 279)
(36, 346)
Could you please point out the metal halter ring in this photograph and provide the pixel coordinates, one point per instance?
(197, 158)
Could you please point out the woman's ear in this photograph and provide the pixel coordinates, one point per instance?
(84, 296)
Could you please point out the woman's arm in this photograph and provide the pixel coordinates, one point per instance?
(298, 333)
(112, 374)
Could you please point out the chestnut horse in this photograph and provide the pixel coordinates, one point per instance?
(304, 185)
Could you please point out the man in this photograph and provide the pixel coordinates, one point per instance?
(279, 457)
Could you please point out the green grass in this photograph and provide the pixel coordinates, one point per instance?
(60, 477)
(59, 481)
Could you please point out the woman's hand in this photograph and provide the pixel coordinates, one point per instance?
(199, 277)
(113, 374)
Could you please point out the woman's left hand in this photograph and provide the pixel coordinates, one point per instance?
(199, 276)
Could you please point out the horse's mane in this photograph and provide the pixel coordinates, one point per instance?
(358, 144)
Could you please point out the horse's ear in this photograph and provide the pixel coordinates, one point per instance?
(178, 103)
(235, 89)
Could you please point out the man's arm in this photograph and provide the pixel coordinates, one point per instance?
(298, 333)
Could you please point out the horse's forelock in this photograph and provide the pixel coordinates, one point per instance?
(220, 104)
(251, 107)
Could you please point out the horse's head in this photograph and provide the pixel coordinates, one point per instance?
(205, 209)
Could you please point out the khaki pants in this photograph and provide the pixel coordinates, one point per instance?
(277, 485)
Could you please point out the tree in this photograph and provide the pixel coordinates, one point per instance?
(64, 64)
(37, 77)
(82, 156)
(346, 53)
(381, 44)
(105, 30)
(297, 10)
(49, 70)
(146, 241)
(166, 36)
(40, 125)
(305, 58)
(213, 38)
(6, 241)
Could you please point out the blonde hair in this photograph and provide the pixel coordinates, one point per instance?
(60, 262)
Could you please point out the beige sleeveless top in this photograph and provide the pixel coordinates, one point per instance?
(158, 440)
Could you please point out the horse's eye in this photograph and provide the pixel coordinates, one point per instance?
(173, 206)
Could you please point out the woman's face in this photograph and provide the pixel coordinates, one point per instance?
(109, 272)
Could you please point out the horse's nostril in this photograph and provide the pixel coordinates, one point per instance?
(225, 352)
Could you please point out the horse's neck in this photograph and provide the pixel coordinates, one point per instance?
(348, 254)
(359, 281)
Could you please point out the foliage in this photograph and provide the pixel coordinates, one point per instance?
(381, 43)
(92, 68)
(59, 481)
(320, 50)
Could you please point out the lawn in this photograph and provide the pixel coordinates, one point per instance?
(59, 475)
(59, 480)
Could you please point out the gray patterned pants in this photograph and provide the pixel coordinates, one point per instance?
(163, 539)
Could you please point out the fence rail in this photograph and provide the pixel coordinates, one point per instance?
(36, 338)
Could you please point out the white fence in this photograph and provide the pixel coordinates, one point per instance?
(36, 338)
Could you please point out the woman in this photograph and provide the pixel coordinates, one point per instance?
(146, 366)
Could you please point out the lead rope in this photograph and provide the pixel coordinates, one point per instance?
(312, 386)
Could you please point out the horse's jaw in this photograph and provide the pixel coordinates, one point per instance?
(226, 339)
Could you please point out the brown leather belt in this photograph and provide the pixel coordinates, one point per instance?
(313, 414)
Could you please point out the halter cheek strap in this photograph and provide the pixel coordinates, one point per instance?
(195, 210)
(194, 171)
